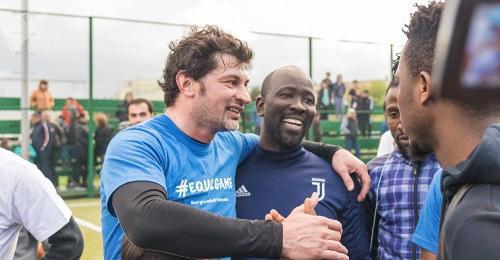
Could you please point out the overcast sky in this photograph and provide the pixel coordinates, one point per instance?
(126, 51)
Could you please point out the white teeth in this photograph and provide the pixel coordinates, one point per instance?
(293, 121)
(234, 110)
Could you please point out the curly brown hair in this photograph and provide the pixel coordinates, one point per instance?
(421, 34)
(195, 54)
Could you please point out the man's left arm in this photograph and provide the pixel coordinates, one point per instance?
(344, 163)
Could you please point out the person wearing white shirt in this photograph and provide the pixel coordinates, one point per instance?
(29, 200)
(386, 144)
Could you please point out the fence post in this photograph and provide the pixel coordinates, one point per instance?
(91, 128)
(25, 125)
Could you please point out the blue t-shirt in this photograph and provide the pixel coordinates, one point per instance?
(193, 173)
(269, 180)
(426, 234)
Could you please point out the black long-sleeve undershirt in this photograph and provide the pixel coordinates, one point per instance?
(152, 222)
(325, 151)
(67, 243)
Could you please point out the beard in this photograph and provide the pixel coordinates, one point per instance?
(417, 152)
(206, 116)
(285, 140)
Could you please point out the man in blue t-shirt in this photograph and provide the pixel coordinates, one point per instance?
(280, 173)
(168, 183)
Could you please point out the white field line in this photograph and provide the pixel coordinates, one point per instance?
(88, 225)
(83, 204)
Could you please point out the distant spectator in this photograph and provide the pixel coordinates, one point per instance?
(6, 144)
(322, 98)
(364, 107)
(349, 128)
(42, 138)
(31, 150)
(121, 110)
(41, 99)
(58, 129)
(102, 136)
(58, 136)
(78, 146)
(354, 93)
(71, 109)
(338, 95)
(316, 125)
(256, 121)
(139, 110)
(327, 89)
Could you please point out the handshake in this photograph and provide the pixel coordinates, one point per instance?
(307, 236)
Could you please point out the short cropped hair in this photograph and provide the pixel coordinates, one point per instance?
(421, 33)
(392, 84)
(137, 101)
(196, 55)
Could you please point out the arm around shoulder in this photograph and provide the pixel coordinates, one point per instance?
(150, 221)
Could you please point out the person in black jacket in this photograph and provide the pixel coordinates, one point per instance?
(350, 129)
(78, 145)
(102, 136)
(364, 106)
(121, 110)
(42, 139)
(465, 137)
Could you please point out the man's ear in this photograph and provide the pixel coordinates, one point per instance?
(185, 83)
(424, 87)
(259, 106)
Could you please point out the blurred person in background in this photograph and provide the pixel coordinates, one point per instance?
(338, 95)
(42, 139)
(71, 110)
(31, 150)
(78, 146)
(354, 93)
(102, 137)
(6, 144)
(323, 92)
(139, 110)
(364, 107)
(350, 129)
(41, 99)
(121, 110)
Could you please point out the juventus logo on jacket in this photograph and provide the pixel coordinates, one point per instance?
(320, 187)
